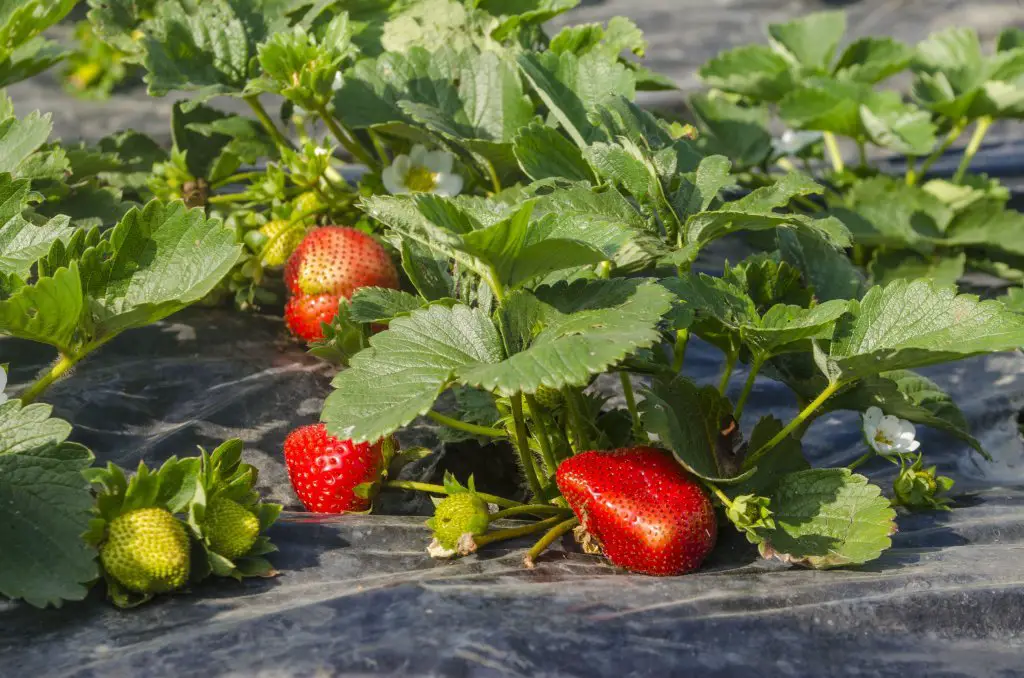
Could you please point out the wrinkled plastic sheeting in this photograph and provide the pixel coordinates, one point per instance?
(358, 594)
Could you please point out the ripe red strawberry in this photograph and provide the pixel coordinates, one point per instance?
(325, 470)
(303, 315)
(338, 260)
(649, 515)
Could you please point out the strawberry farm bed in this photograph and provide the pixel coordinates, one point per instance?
(774, 347)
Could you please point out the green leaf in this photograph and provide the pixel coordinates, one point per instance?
(164, 258)
(426, 271)
(904, 129)
(624, 164)
(910, 324)
(1014, 299)
(757, 211)
(515, 15)
(754, 71)
(989, 223)
(381, 305)
(888, 265)
(739, 133)
(572, 87)
(784, 325)
(405, 369)
(19, 139)
(885, 211)
(810, 41)
(827, 518)
(45, 508)
(872, 60)
(48, 311)
(909, 396)
(544, 153)
(603, 219)
(690, 421)
(574, 331)
(696, 195)
(437, 22)
(22, 242)
(621, 35)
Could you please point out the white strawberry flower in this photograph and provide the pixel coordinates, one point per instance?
(3, 385)
(888, 434)
(422, 171)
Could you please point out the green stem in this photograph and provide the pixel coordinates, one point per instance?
(378, 146)
(679, 350)
(722, 497)
(438, 489)
(576, 418)
(755, 367)
(793, 425)
(911, 177)
(861, 459)
(59, 369)
(340, 133)
(537, 417)
(493, 175)
(523, 445)
(806, 203)
(730, 364)
(228, 198)
(530, 509)
(835, 156)
(786, 164)
(235, 179)
(548, 539)
(512, 533)
(950, 139)
(627, 390)
(474, 429)
(862, 153)
(973, 145)
(268, 124)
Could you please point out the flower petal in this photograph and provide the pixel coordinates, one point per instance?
(439, 161)
(914, 444)
(3, 379)
(418, 155)
(872, 417)
(393, 181)
(448, 185)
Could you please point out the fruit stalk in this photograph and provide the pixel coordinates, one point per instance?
(537, 417)
(793, 425)
(835, 156)
(548, 539)
(730, 364)
(523, 445)
(438, 489)
(627, 390)
(341, 134)
(973, 145)
(755, 367)
(679, 350)
(529, 509)
(954, 134)
(474, 429)
(268, 124)
(513, 532)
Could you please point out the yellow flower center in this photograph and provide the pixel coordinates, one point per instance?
(420, 179)
(883, 439)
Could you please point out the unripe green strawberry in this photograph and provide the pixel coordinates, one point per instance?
(282, 239)
(231, 528)
(458, 514)
(308, 202)
(548, 398)
(147, 551)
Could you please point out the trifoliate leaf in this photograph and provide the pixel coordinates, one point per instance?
(620, 35)
(578, 330)
(754, 71)
(909, 396)
(827, 518)
(768, 281)
(573, 87)
(910, 324)
(741, 134)
(810, 41)
(885, 211)
(381, 305)
(406, 367)
(691, 421)
(872, 60)
(783, 326)
(46, 508)
(544, 153)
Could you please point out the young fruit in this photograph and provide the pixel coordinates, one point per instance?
(304, 315)
(325, 470)
(283, 237)
(338, 260)
(307, 203)
(231, 528)
(456, 515)
(147, 551)
(648, 514)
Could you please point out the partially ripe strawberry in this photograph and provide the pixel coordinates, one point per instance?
(649, 515)
(325, 470)
(304, 315)
(339, 260)
(282, 237)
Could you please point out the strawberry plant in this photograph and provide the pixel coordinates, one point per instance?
(907, 223)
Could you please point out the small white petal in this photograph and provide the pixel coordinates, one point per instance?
(872, 417)
(338, 83)
(907, 429)
(439, 161)
(448, 185)
(321, 151)
(418, 155)
(3, 379)
(393, 181)
(402, 165)
(914, 444)
(3, 398)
